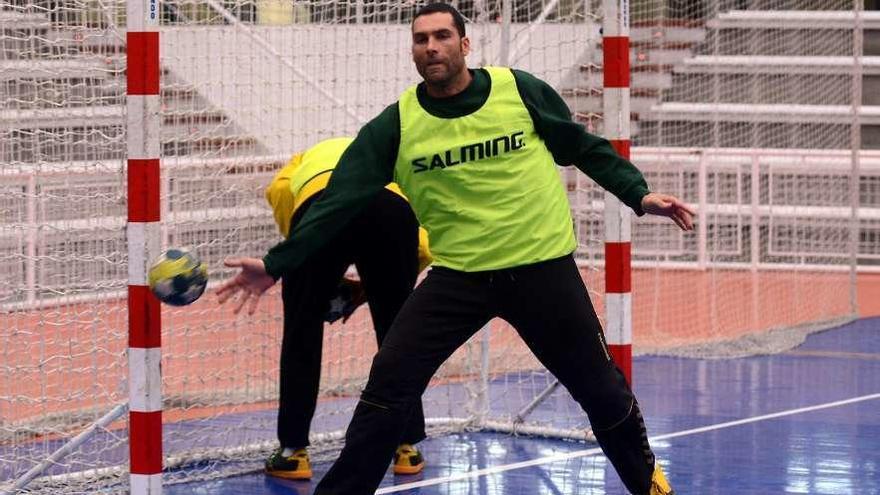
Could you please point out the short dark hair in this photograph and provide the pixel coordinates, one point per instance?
(438, 7)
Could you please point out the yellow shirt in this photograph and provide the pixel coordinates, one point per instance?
(307, 174)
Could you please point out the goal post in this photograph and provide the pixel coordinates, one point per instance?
(143, 179)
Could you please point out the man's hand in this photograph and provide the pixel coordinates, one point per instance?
(252, 281)
(669, 206)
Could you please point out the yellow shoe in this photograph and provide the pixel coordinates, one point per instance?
(659, 485)
(408, 460)
(292, 467)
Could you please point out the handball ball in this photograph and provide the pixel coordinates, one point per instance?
(177, 277)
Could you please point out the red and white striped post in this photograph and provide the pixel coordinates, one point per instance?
(144, 244)
(615, 100)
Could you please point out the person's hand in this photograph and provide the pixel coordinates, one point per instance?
(358, 297)
(252, 281)
(669, 206)
(349, 296)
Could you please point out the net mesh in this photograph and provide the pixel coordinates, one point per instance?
(748, 113)
(762, 149)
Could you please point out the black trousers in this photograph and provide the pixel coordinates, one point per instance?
(549, 306)
(382, 242)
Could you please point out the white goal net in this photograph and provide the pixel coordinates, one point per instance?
(751, 121)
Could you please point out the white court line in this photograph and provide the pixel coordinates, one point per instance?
(595, 450)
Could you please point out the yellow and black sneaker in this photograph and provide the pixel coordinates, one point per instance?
(408, 460)
(659, 485)
(293, 467)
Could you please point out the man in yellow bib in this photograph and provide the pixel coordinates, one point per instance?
(475, 151)
(384, 242)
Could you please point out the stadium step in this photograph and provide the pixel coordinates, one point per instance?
(75, 78)
(774, 64)
(66, 68)
(745, 112)
(592, 78)
(793, 19)
(654, 52)
(579, 102)
(792, 32)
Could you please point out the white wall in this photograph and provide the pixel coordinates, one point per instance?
(268, 79)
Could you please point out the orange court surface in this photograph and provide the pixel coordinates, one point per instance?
(70, 358)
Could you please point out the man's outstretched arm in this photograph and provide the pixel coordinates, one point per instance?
(569, 143)
(363, 171)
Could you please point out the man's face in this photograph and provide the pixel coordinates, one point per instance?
(438, 50)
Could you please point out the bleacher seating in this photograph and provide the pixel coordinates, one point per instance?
(782, 76)
(653, 53)
(758, 92)
(62, 139)
(75, 79)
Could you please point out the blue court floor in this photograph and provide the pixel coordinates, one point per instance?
(806, 421)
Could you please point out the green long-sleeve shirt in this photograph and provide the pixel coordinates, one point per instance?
(368, 163)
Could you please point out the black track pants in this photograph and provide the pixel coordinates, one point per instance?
(549, 306)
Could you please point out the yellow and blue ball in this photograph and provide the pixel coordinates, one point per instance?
(178, 277)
